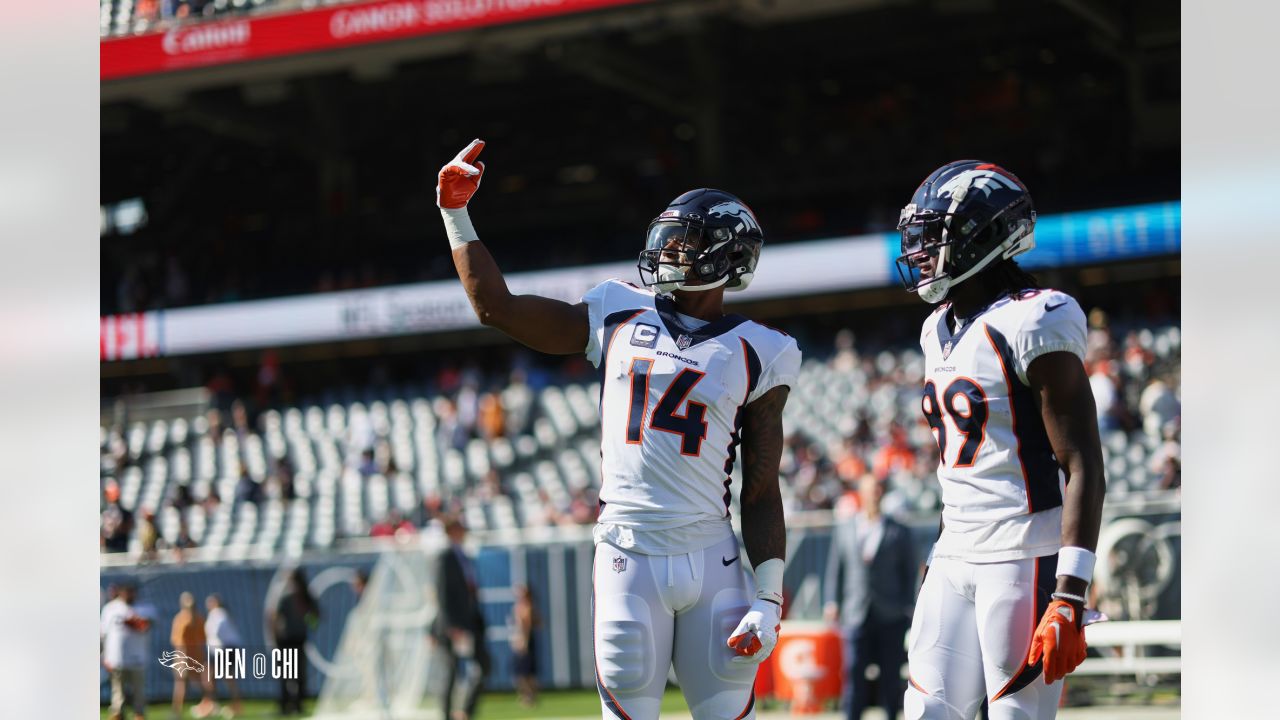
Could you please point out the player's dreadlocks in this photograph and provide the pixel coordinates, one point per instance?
(1007, 276)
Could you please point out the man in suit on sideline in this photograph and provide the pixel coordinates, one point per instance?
(870, 590)
(459, 626)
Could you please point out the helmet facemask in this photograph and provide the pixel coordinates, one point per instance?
(679, 256)
(960, 252)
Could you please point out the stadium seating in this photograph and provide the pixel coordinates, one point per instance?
(418, 468)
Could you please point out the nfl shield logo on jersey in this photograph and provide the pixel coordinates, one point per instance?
(946, 349)
(619, 564)
(683, 342)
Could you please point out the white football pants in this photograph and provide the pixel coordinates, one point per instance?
(654, 611)
(970, 637)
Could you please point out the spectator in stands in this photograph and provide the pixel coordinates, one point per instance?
(240, 422)
(149, 536)
(1138, 357)
(846, 354)
(281, 480)
(187, 637)
(247, 489)
(1106, 396)
(491, 420)
(183, 542)
(870, 589)
(849, 464)
(1166, 461)
(368, 466)
(117, 522)
(214, 419)
(393, 525)
(459, 625)
(1098, 340)
(517, 401)
(897, 454)
(449, 431)
(221, 633)
(524, 620)
(296, 613)
(267, 387)
(180, 497)
(467, 401)
(1158, 406)
(125, 651)
(211, 500)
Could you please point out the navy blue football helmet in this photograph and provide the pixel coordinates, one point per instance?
(703, 240)
(966, 214)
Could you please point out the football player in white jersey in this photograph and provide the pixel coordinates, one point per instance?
(1000, 612)
(682, 386)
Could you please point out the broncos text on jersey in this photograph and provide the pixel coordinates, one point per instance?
(672, 394)
(1002, 486)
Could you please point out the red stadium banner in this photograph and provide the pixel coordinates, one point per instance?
(202, 44)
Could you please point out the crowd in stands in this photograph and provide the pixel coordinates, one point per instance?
(131, 17)
(518, 452)
(265, 190)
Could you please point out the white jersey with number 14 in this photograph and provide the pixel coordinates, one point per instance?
(672, 395)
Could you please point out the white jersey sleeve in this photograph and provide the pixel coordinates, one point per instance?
(781, 368)
(601, 300)
(1054, 323)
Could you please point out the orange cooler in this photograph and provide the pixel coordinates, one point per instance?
(807, 665)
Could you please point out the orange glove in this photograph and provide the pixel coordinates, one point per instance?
(460, 177)
(1060, 639)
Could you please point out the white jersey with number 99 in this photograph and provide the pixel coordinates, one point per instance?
(1001, 483)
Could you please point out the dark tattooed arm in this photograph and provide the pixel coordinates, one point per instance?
(764, 531)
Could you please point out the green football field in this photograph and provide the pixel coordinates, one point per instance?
(581, 704)
(493, 706)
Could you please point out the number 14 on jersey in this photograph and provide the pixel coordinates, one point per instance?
(691, 425)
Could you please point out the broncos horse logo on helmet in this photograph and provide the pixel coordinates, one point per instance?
(967, 214)
(704, 239)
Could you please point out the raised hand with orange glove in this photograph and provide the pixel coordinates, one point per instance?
(457, 182)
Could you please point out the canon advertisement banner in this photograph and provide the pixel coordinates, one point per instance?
(201, 44)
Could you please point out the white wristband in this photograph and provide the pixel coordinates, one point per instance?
(769, 580)
(1076, 562)
(457, 225)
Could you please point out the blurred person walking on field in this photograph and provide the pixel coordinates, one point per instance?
(524, 619)
(295, 613)
(221, 633)
(460, 627)
(124, 651)
(187, 636)
(870, 591)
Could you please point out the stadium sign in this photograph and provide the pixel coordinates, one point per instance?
(207, 43)
(788, 270)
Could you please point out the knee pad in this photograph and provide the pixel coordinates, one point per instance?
(919, 705)
(624, 644)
